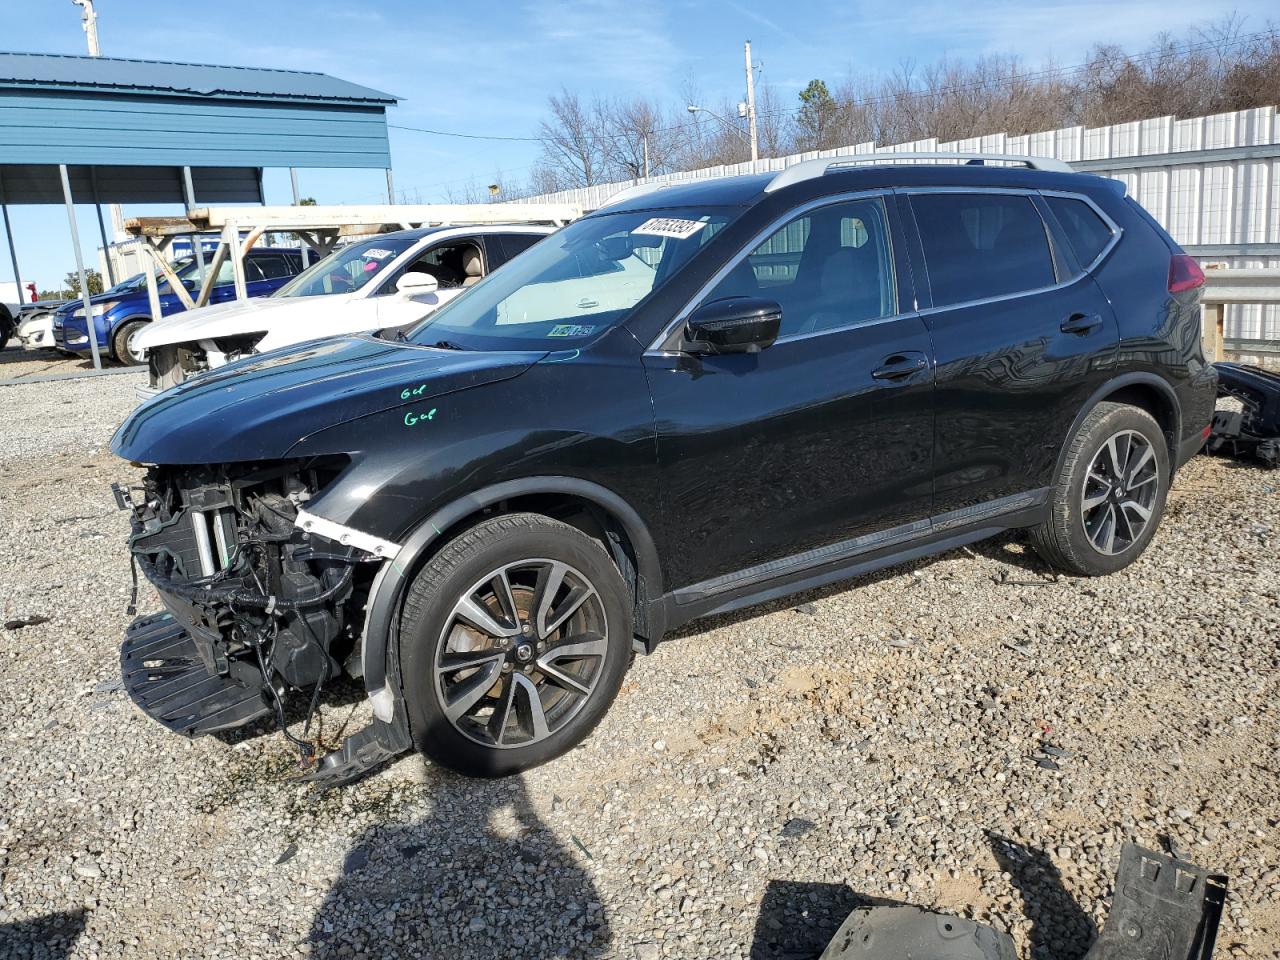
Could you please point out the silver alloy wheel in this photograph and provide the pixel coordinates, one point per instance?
(521, 653)
(139, 356)
(1119, 492)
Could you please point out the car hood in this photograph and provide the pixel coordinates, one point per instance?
(258, 408)
(228, 319)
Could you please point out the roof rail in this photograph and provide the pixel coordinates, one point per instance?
(807, 170)
(633, 191)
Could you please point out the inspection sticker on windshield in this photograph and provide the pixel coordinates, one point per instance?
(669, 227)
(378, 254)
(571, 330)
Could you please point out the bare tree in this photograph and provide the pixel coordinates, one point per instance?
(572, 147)
(1215, 68)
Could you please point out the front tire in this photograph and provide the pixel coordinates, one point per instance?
(513, 643)
(121, 343)
(1109, 495)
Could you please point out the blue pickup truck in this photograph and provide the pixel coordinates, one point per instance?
(122, 311)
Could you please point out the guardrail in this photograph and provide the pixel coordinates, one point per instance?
(1236, 285)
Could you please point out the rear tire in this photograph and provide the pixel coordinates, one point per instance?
(120, 343)
(1109, 495)
(7, 326)
(514, 640)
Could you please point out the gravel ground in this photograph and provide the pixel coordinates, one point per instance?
(759, 775)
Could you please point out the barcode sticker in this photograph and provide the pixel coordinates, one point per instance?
(670, 227)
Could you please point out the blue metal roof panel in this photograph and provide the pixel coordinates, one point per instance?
(51, 71)
(109, 128)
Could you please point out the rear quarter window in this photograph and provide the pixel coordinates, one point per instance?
(1087, 232)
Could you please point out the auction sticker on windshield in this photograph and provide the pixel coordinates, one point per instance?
(571, 330)
(378, 254)
(669, 227)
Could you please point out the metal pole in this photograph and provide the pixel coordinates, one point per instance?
(106, 247)
(751, 107)
(297, 199)
(391, 187)
(13, 252)
(89, 20)
(189, 192)
(646, 156)
(102, 230)
(89, 325)
(153, 285)
(231, 237)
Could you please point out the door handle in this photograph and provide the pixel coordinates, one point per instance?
(1081, 323)
(900, 365)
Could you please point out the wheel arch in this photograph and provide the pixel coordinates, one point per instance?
(1143, 390)
(117, 325)
(625, 534)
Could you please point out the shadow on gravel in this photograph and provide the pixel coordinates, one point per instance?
(50, 937)
(797, 920)
(1060, 928)
(481, 876)
(339, 694)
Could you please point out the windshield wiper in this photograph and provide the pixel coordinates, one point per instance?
(447, 345)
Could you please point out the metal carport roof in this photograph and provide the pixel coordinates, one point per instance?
(109, 130)
(112, 112)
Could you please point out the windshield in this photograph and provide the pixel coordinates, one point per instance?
(575, 284)
(348, 269)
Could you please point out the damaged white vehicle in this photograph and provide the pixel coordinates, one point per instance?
(390, 280)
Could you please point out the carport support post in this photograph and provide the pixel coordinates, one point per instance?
(231, 237)
(102, 230)
(89, 326)
(189, 192)
(13, 253)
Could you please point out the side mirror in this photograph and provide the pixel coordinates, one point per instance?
(416, 284)
(734, 325)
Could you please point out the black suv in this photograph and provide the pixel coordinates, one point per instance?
(700, 397)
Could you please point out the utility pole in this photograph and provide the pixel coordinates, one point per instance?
(89, 20)
(645, 139)
(751, 106)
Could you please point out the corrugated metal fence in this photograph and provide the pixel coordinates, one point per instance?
(1211, 181)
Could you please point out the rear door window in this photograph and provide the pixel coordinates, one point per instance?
(512, 244)
(273, 267)
(982, 245)
(1087, 232)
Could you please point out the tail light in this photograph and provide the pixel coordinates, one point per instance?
(1184, 273)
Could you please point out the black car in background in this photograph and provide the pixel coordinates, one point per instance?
(701, 397)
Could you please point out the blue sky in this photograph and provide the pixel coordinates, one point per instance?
(482, 68)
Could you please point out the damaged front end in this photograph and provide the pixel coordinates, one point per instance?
(261, 599)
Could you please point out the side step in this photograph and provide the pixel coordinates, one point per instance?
(165, 676)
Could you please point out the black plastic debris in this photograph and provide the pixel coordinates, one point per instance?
(797, 827)
(1164, 909)
(32, 621)
(1253, 432)
(287, 854)
(905, 932)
